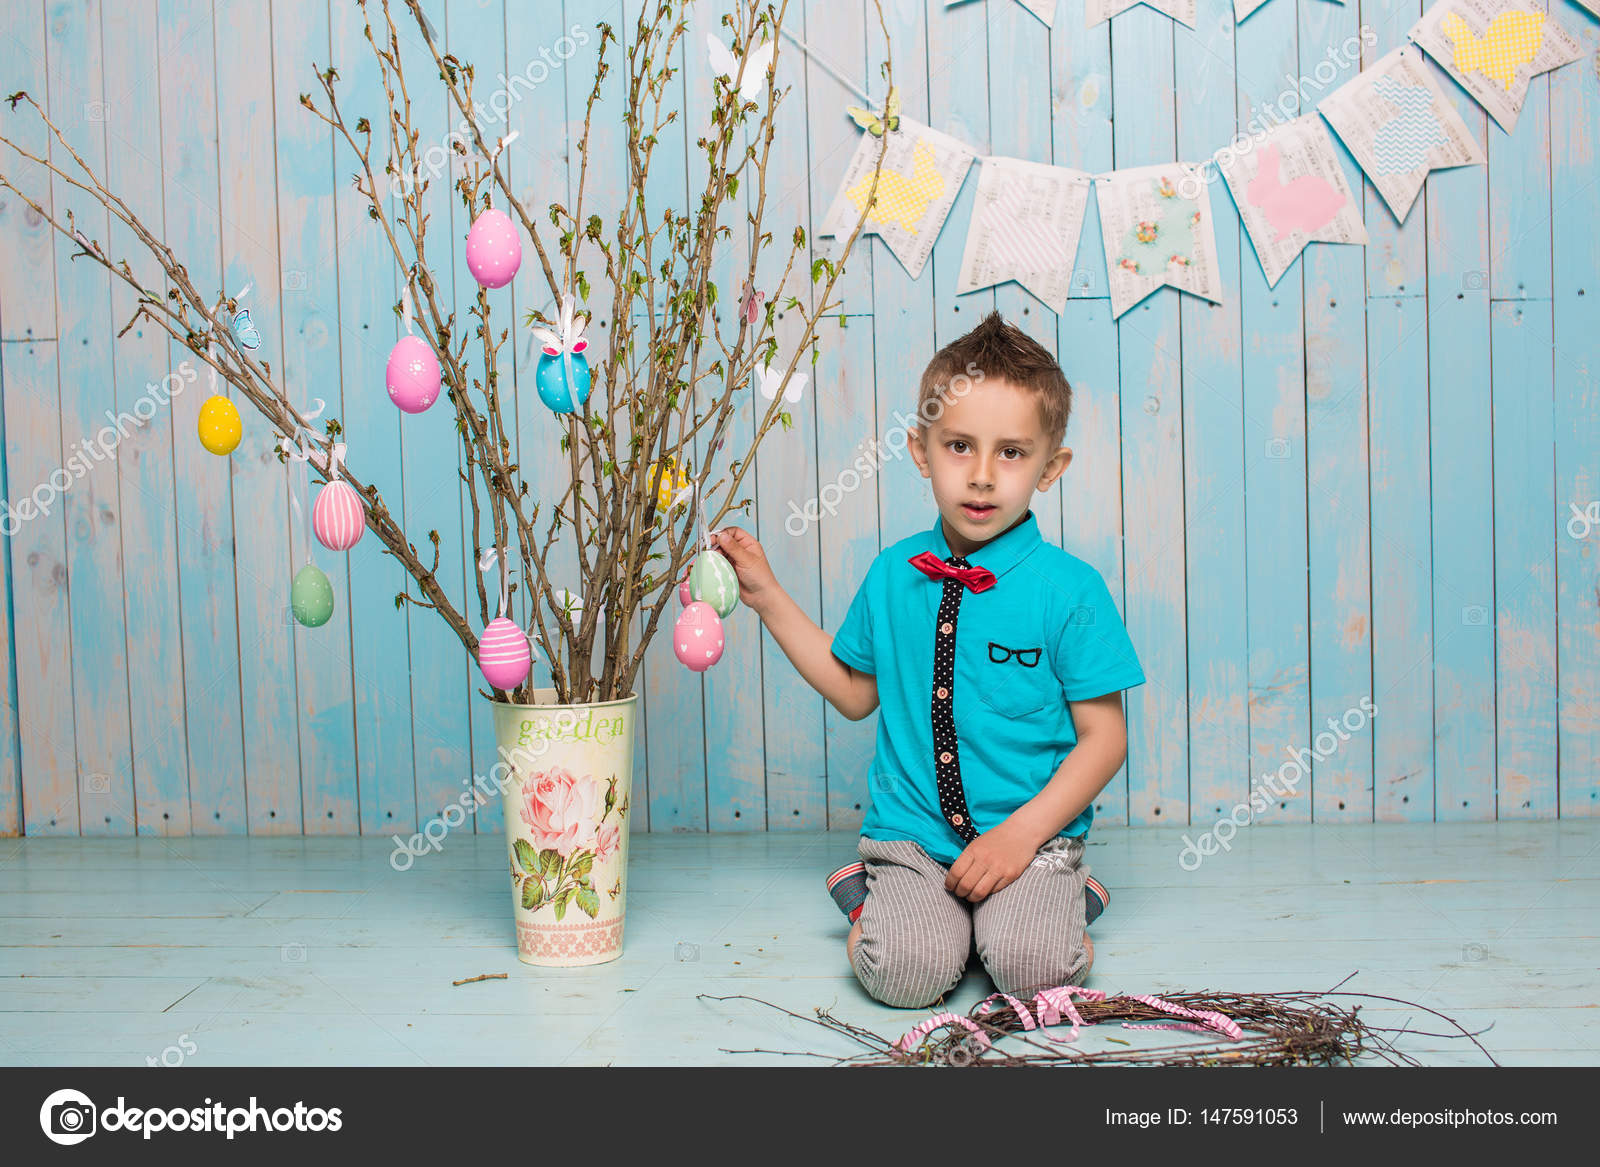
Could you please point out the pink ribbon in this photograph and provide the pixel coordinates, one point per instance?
(1022, 1010)
(1212, 1021)
(934, 1022)
(1053, 1003)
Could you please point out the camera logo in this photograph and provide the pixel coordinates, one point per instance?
(67, 1117)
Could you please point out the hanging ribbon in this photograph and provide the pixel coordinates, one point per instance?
(705, 535)
(297, 447)
(501, 145)
(829, 69)
(405, 308)
(487, 560)
(1211, 1021)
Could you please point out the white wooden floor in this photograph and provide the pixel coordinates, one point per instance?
(315, 951)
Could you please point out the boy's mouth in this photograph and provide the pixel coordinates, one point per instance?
(978, 510)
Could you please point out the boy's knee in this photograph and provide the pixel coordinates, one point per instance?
(1017, 964)
(905, 976)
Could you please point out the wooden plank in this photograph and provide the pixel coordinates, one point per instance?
(145, 466)
(37, 548)
(1213, 452)
(1339, 555)
(190, 121)
(251, 227)
(442, 674)
(384, 765)
(87, 393)
(1144, 126)
(786, 468)
(1574, 112)
(1525, 533)
(1091, 523)
(958, 39)
(1462, 460)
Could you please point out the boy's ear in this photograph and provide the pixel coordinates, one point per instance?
(1055, 467)
(919, 452)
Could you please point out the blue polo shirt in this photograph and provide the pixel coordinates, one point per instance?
(973, 686)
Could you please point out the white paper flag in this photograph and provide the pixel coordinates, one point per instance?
(1290, 190)
(1025, 226)
(922, 172)
(1493, 48)
(1399, 125)
(1243, 8)
(1096, 11)
(1154, 235)
(1045, 10)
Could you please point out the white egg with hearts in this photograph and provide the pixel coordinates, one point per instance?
(697, 636)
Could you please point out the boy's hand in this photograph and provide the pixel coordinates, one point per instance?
(757, 584)
(991, 861)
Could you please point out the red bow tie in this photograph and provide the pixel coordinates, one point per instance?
(976, 578)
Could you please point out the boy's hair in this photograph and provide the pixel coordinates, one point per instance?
(1001, 351)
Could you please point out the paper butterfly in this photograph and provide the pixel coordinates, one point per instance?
(568, 336)
(1511, 40)
(756, 64)
(243, 331)
(874, 125)
(791, 389)
(750, 307)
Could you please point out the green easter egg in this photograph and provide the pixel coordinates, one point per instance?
(713, 580)
(311, 597)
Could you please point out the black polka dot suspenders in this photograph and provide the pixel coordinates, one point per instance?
(946, 756)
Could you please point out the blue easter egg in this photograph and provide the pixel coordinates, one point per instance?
(551, 378)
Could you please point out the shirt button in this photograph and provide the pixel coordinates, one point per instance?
(958, 820)
(943, 692)
(945, 628)
(945, 757)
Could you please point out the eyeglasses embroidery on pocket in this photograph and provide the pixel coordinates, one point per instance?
(1027, 657)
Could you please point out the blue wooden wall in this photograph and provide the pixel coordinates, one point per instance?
(1355, 484)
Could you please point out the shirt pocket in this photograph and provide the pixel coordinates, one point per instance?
(1012, 687)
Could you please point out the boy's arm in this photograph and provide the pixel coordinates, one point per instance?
(850, 691)
(1101, 749)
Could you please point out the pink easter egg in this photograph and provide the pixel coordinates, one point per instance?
(697, 636)
(338, 517)
(412, 374)
(494, 249)
(503, 654)
(685, 596)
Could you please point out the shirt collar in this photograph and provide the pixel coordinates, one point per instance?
(1000, 554)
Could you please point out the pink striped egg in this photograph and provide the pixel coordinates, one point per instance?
(494, 250)
(503, 654)
(412, 374)
(338, 517)
(697, 637)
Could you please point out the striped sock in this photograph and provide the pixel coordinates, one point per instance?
(848, 887)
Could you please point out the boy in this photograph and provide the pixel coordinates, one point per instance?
(993, 740)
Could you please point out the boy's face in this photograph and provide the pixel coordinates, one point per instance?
(986, 456)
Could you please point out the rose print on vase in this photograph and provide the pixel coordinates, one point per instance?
(573, 824)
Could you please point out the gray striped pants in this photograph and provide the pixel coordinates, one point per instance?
(916, 937)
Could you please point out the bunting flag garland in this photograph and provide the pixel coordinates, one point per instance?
(1399, 125)
(1045, 10)
(1493, 48)
(1154, 235)
(1024, 227)
(1290, 189)
(1592, 5)
(922, 171)
(1097, 11)
(1243, 8)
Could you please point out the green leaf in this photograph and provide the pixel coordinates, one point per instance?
(527, 857)
(589, 901)
(549, 862)
(582, 865)
(561, 906)
(532, 894)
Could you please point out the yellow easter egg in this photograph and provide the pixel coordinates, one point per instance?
(667, 486)
(220, 427)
